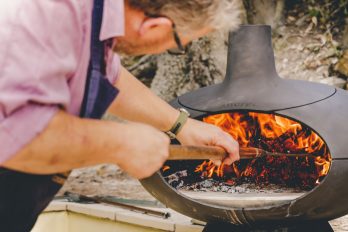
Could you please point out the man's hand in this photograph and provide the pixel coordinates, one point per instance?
(144, 150)
(203, 134)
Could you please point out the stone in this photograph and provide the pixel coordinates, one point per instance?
(342, 65)
(334, 81)
(204, 64)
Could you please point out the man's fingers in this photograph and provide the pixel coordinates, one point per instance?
(228, 161)
(231, 146)
(217, 162)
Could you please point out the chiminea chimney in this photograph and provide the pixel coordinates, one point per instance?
(250, 53)
(252, 82)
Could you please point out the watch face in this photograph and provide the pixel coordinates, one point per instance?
(185, 111)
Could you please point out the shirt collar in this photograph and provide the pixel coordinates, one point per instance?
(113, 19)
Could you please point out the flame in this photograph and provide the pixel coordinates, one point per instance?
(165, 168)
(209, 169)
(276, 134)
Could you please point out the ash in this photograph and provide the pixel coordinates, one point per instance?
(211, 185)
(181, 182)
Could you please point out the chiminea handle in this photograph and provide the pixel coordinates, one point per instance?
(178, 152)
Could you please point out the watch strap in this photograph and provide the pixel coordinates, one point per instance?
(179, 123)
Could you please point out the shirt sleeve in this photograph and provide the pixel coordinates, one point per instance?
(38, 55)
(113, 67)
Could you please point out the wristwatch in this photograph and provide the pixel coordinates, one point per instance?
(179, 123)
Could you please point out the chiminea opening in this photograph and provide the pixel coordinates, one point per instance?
(263, 181)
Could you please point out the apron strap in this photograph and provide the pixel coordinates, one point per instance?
(97, 47)
(99, 92)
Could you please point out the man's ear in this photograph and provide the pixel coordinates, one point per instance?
(155, 23)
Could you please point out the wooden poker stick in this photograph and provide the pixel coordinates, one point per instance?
(178, 152)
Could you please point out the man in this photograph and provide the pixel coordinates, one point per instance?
(53, 70)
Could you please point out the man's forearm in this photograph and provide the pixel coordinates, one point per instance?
(68, 142)
(137, 103)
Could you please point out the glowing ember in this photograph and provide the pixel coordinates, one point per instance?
(275, 134)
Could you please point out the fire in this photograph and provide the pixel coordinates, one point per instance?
(165, 168)
(276, 134)
(209, 169)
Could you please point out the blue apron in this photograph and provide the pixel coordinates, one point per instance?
(24, 196)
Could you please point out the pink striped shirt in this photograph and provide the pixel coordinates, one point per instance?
(44, 56)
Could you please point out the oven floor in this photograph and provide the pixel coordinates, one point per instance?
(242, 200)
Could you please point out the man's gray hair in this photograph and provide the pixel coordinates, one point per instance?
(194, 14)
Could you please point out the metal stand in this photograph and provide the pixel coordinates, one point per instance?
(317, 226)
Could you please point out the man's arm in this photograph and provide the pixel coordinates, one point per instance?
(136, 102)
(69, 142)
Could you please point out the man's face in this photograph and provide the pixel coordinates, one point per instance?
(135, 45)
(145, 35)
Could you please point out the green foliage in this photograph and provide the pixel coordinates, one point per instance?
(328, 11)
